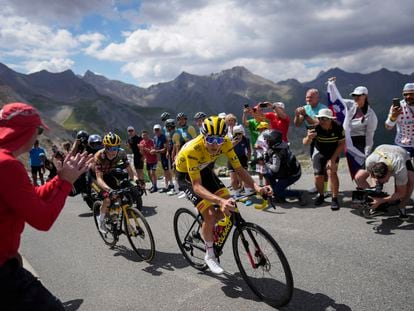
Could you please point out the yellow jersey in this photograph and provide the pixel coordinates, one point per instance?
(194, 156)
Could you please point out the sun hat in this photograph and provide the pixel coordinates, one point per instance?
(360, 90)
(278, 105)
(130, 128)
(409, 88)
(263, 125)
(157, 126)
(325, 113)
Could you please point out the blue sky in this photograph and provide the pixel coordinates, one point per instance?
(146, 42)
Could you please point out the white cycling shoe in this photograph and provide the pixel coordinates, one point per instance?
(213, 264)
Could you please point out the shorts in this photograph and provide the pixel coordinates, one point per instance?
(209, 180)
(409, 166)
(243, 162)
(165, 163)
(151, 166)
(138, 162)
(319, 163)
(36, 169)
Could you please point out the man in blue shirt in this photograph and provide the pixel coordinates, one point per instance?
(36, 163)
(161, 147)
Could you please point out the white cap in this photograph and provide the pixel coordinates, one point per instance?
(325, 113)
(157, 126)
(279, 105)
(129, 128)
(238, 129)
(222, 115)
(409, 88)
(360, 90)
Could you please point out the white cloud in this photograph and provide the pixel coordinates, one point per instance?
(52, 65)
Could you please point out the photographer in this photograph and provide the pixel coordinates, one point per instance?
(282, 168)
(389, 161)
(278, 118)
(80, 143)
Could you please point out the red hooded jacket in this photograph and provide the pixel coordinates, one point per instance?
(20, 201)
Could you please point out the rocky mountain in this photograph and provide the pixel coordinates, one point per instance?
(99, 104)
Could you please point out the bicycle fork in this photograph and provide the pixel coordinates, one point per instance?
(258, 252)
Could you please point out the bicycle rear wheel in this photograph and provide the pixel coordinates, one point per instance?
(110, 237)
(187, 230)
(139, 234)
(263, 265)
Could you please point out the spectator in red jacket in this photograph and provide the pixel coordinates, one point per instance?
(21, 202)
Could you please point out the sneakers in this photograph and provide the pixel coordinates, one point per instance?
(312, 190)
(172, 192)
(213, 264)
(181, 195)
(334, 204)
(248, 202)
(380, 210)
(153, 189)
(163, 190)
(319, 200)
(248, 191)
(102, 227)
(403, 214)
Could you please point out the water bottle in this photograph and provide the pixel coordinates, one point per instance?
(219, 227)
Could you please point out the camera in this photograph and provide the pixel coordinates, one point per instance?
(246, 105)
(262, 105)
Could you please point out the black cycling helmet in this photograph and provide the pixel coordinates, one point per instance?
(111, 140)
(170, 123)
(95, 142)
(272, 137)
(214, 126)
(82, 136)
(164, 116)
(200, 115)
(181, 115)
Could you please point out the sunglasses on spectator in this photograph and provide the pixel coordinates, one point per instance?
(130, 131)
(40, 130)
(355, 95)
(112, 148)
(323, 119)
(407, 94)
(215, 140)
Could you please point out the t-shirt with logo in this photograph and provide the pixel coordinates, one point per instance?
(326, 141)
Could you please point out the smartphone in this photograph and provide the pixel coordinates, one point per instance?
(262, 105)
(246, 105)
(396, 102)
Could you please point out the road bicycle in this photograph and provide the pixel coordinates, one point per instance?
(259, 258)
(123, 218)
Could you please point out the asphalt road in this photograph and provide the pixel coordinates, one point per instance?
(340, 261)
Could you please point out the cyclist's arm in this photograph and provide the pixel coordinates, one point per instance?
(192, 131)
(101, 183)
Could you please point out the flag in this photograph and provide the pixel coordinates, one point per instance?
(339, 106)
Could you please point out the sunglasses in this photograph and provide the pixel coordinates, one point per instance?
(215, 140)
(323, 119)
(355, 95)
(112, 148)
(40, 130)
(130, 131)
(407, 94)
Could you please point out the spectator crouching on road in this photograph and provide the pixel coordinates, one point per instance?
(282, 168)
(329, 139)
(385, 162)
(21, 202)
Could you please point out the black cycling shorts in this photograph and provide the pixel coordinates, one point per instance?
(319, 163)
(138, 163)
(209, 180)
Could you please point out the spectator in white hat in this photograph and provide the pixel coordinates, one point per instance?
(360, 125)
(329, 142)
(402, 114)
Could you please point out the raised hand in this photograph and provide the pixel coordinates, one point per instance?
(74, 166)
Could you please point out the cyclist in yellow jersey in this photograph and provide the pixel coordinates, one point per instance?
(202, 186)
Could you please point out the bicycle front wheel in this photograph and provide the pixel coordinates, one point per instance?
(139, 234)
(187, 230)
(110, 237)
(262, 264)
